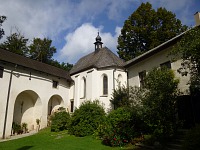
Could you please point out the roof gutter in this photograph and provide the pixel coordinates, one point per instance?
(154, 50)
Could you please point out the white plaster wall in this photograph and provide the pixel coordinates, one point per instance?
(155, 61)
(4, 82)
(27, 109)
(122, 80)
(40, 83)
(94, 85)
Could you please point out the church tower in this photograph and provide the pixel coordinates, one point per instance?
(98, 44)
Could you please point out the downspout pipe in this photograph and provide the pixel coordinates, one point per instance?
(114, 82)
(114, 79)
(7, 102)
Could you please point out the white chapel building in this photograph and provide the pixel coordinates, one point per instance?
(96, 75)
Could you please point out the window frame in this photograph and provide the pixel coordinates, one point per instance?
(72, 106)
(83, 88)
(120, 80)
(55, 84)
(166, 64)
(105, 85)
(142, 76)
(1, 71)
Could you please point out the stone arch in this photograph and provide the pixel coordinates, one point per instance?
(27, 108)
(54, 103)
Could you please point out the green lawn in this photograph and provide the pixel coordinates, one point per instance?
(46, 140)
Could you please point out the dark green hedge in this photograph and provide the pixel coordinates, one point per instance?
(87, 118)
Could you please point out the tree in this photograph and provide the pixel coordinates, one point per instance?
(127, 97)
(120, 97)
(66, 66)
(160, 101)
(42, 50)
(146, 29)
(2, 19)
(63, 65)
(16, 43)
(188, 48)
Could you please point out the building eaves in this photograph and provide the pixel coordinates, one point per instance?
(7, 56)
(154, 50)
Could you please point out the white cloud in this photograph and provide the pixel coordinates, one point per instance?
(116, 8)
(80, 42)
(37, 18)
(48, 18)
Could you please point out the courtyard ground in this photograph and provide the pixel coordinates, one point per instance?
(56, 140)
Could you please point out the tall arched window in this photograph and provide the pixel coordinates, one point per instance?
(105, 85)
(83, 87)
(119, 80)
(84, 92)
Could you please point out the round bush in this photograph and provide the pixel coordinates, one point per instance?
(121, 127)
(60, 121)
(87, 118)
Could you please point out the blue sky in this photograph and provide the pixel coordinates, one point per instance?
(73, 24)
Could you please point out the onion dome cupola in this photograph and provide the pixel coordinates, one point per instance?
(98, 44)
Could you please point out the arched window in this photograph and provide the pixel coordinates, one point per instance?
(120, 80)
(84, 92)
(83, 87)
(105, 85)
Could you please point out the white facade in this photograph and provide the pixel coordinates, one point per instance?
(93, 89)
(153, 61)
(30, 96)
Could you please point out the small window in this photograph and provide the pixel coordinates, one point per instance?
(72, 106)
(142, 76)
(166, 64)
(1, 71)
(105, 85)
(55, 84)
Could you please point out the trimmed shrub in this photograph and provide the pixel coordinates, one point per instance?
(122, 125)
(60, 121)
(87, 118)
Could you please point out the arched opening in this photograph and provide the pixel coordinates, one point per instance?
(105, 85)
(54, 103)
(27, 108)
(83, 87)
(120, 80)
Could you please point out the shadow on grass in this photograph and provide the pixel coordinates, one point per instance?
(25, 148)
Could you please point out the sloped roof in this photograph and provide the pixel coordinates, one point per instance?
(154, 50)
(13, 58)
(101, 58)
